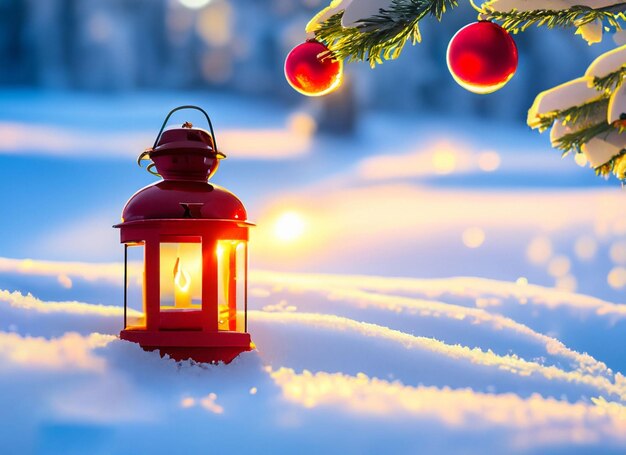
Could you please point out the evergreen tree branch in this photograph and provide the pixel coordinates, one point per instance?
(611, 81)
(574, 141)
(615, 166)
(383, 36)
(518, 21)
(574, 114)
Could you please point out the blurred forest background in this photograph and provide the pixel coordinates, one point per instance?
(239, 46)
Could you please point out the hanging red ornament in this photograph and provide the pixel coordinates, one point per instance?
(482, 57)
(311, 69)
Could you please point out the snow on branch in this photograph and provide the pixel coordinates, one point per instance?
(382, 36)
(587, 115)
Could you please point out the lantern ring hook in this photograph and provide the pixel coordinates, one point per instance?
(146, 153)
(189, 106)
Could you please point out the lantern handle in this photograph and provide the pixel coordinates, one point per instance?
(188, 106)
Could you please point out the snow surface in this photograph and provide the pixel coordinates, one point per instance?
(506, 335)
(344, 363)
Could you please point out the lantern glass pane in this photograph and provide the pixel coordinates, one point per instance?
(181, 276)
(134, 286)
(226, 285)
(240, 279)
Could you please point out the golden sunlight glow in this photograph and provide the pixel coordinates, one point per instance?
(289, 227)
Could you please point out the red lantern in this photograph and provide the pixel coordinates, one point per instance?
(194, 235)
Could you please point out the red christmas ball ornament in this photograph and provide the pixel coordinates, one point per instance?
(311, 69)
(482, 57)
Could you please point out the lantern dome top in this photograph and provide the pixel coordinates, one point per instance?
(185, 157)
(177, 199)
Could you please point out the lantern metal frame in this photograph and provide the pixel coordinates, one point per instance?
(208, 343)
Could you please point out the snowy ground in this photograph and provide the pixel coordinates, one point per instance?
(525, 355)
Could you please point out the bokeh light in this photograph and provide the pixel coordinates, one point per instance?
(194, 4)
(580, 159)
(489, 161)
(617, 278)
(618, 252)
(559, 266)
(585, 248)
(539, 250)
(567, 283)
(444, 161)
(473, 237)
(214, 25)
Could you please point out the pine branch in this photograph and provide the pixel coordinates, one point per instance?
(383, 36)
(518, 21)
(574, 114)
(611, 81)
(614, 166)
(574, 141)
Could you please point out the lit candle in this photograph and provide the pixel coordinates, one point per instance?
(182, 286)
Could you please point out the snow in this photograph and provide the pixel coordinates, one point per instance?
(343, 362)
(564, 96)
(607, 63)
(450, 289)
(357, 10)
(602, 148)
(616, 105)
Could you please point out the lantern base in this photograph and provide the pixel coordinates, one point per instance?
(206, 347)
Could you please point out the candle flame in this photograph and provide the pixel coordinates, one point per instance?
(182, 279)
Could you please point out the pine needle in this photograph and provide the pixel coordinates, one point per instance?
(574, 141)
(383, 36)
(574, 114)
(518, 21)
(611, 81)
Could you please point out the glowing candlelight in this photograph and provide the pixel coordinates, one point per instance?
(182, 286)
